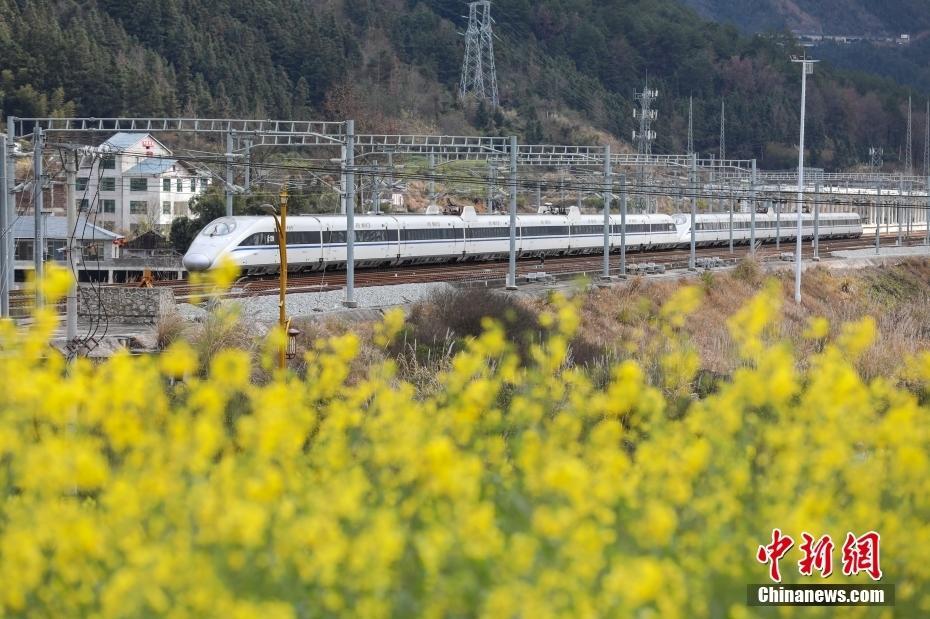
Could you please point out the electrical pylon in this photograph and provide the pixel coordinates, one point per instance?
(644, 137)
(479, 75)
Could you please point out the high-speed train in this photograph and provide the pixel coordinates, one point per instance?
(319, 242)
(714, 228)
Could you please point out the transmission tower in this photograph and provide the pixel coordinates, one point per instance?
(690, 125)
(644, 136)
(875, 159)
(908, 147)
(723, 129)
(479, 76)
(645, 114)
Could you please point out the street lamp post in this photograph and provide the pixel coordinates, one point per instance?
(280, 224)
(807, 68)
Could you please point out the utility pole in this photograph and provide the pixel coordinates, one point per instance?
(432, 177)
(927, 143)
(752, 214)
(70, 165)
(7, 189)
(623, 198)
(909, 145)
(6, 231)
(723, 129)
(348, 167)
(608, 190)
(248, 165)
(479, 76)
(927, 212)
(229, 174)
(816, 243)
(898, 212)
(512, 259)
(878, 215)
(807, 68)
(692, 260)
(690, 125)
(38, 206)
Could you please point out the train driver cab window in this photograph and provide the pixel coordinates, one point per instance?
(220, 227)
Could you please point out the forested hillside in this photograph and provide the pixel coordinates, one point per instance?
(567, 69)
(826, 16)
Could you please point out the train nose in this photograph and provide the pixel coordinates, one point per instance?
(196, 262)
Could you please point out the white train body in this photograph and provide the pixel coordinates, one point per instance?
(714, 229)
(319, 242)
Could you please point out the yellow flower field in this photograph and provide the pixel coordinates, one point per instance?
(139, 488)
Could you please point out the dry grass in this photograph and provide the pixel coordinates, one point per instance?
(620, 322)
(170, 328)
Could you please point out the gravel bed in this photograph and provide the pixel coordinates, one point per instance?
(265, 308)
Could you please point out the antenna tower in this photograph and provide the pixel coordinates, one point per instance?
(908, 148)
(479, 76)
(723, 129)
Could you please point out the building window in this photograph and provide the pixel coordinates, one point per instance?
(55, 249)
(24, 249)
(108, 225)
(138, 184)
(92, 250)
(83, 204)
(109, 206)
(81, 183)
(138, 207)
(193, 185)
(166, 184)
(166, 208)
(108, 183)
(108, 163)
(180, 184)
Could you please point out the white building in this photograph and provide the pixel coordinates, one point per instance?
(139, 187)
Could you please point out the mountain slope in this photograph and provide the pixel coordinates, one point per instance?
(819, 16)
(567, 70)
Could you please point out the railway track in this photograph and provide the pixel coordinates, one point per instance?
(473, 272)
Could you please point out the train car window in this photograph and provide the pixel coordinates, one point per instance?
(303, 237)
(430, 234)
(585, 230)
(371, 236)
(488, 233)
(545, 231)
(333, 237)
(260, 239)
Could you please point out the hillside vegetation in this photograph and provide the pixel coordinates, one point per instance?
(567, 69)
(827, 16)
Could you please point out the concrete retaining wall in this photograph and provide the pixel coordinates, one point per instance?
(125, 305)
